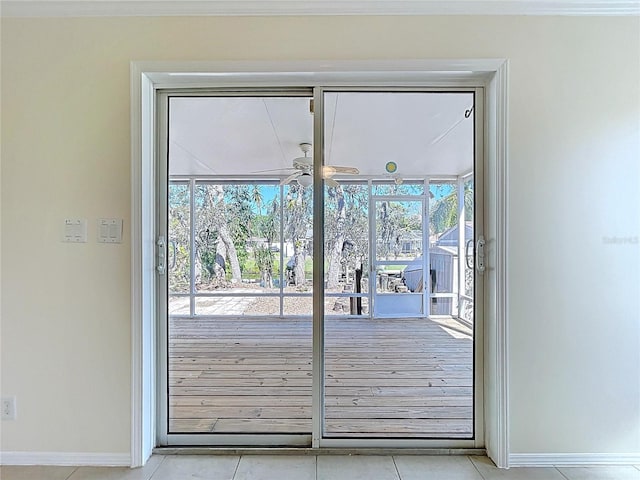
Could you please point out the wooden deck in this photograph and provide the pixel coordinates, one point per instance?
(383, 378)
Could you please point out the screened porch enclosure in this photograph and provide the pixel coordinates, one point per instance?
(270, 228)
(394, 271)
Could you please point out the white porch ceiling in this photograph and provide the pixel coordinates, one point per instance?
(424, 133)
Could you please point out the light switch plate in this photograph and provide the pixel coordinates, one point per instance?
(75, 230)
(8, 408)
(110, 230)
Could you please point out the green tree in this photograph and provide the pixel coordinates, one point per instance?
(297, 223)
(444, 212)
(346, 228)
(179, 241)
(217, 228)
(267, 228)
(240, 215)
(389, 228)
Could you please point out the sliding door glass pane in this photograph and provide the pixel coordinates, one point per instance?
(346, 247)
(390, 370)
(443, 250)
(239, 349)
(179, 261)
(465, 309)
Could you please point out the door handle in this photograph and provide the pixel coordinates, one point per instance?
(161, 267)
(173, 256)
(480, 263)
(469, 257)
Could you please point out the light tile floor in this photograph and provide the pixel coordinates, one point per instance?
(321, 467)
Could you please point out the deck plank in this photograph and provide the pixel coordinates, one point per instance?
(383, 378)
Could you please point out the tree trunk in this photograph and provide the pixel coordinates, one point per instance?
(267, 279)
(298, 269)
(198, 270)
(232, 254)
(224, 235)
(337, 242)
(219, 267)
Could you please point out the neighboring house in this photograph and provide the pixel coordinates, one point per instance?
(411, 243)
(449, 238)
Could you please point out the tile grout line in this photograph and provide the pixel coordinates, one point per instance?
(476, 467)
(560, 472)
(156, 469)
(235, 471)
(72, 472)
(393, 459)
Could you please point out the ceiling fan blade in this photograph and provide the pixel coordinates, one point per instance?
(329, 170)
(290, 178)
(303, 163)
(288, 169)
(306, 160)
(330, 182)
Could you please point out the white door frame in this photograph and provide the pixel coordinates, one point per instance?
(147, 77)
(373, 249)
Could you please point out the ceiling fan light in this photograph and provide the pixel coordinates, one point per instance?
(305, 180)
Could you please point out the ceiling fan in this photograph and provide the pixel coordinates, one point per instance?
(303, 170)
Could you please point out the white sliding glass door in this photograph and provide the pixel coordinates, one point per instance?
(237, 292)
(318, 281)
(404, 373)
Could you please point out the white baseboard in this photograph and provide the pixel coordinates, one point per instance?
(66, 459)
(565, 459)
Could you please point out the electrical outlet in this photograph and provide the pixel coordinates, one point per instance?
(8, 408)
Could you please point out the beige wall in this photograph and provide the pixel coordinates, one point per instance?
(574, 179)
